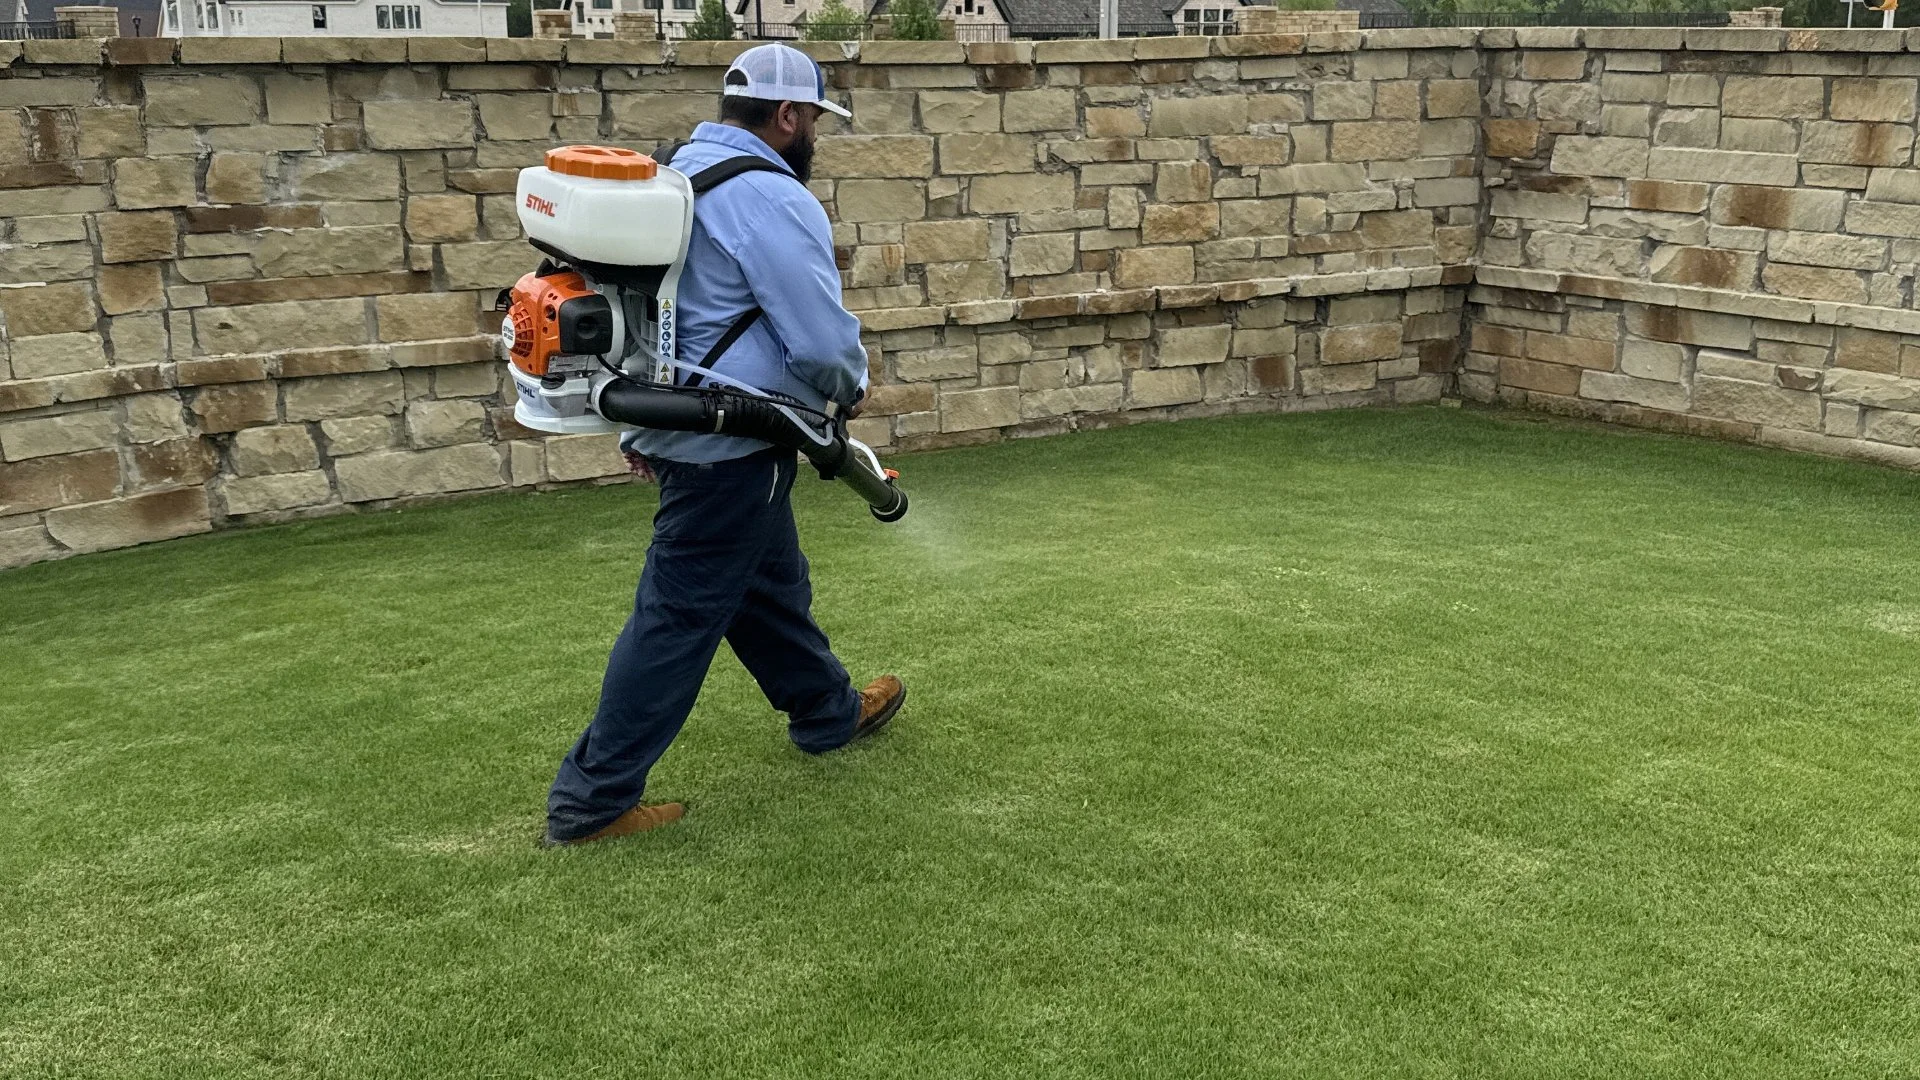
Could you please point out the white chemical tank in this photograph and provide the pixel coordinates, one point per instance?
(606, 205)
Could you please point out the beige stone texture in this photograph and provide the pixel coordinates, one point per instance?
(986, 153)
(418, 125)
(200, 100)
(47, 309)
(141, 183)
(961, 240)
(322, 252)
(282, 491)
(1039, 110)
(1600, 156)
(1874, 100)
(1375, 140)
(952, 283)
(445, 423)
(875, 156)
(57, 354)
(1773, 95)
(397, 474)
(348, 176)
(1718, 166)
(138, 519)
(357, 434)
(1141, 267)
(972, 410)
(1193, 345)
(1210, 115)
(1857, 144)
(1050, 253)
(237, 178)
(947, 111)
(1016, 193)
(1814, 283)
(1733, 399)
(584, 457)
(281, 448)
(130, 288)
(1159, 387)
(50, 435)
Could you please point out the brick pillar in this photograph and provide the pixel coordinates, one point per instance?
(1266, 20)
(635, 26)
(548, 23)
(91, 22)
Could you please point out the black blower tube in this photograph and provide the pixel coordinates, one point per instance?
(722, 412)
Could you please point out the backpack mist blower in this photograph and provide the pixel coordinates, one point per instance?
(591, 334)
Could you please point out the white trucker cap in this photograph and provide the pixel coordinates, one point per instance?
(778, 72)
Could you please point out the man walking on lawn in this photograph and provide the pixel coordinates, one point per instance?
(760, 302)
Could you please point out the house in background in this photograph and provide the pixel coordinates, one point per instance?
(594, 18)
(138, 18)
(973, 20)
(1080, 18)
(333, 18)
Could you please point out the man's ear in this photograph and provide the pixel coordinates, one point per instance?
(787, 118)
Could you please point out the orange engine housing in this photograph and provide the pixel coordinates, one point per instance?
(555, 315)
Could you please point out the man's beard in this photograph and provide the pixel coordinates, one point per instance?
(799, 157)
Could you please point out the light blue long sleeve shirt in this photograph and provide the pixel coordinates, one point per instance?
(761, 239)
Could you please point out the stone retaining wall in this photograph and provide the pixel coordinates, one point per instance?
(249, 279)
(255, 279)
(1719, 238)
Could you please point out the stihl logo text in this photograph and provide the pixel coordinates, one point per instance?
(539, 205)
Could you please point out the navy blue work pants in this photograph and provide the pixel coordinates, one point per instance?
(725, 562)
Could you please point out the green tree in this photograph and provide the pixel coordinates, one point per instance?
(712, 24)
(835, 21)
(914, 20)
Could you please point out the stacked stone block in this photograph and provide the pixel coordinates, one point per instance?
(249, 279)
(1709, 230)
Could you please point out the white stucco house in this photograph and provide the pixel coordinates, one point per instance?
(594, 18)
(337, 18)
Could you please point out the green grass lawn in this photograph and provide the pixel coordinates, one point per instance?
(1369, 744)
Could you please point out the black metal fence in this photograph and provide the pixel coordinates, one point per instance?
(1034, 31)
(36, 31)
(970, 32)
(1391, 20)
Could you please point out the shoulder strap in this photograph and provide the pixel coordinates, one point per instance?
(702, 182)
(664, 155)
(714, 175)
(740, 326)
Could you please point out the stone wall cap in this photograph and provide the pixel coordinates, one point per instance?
(1241, 45)
(85, 51)
(444, 50)
(343, 50)
(1000, 52)
(1547, 37)
(592, 51)
(1334, 41)
(147, 52)
(1736, 39)
(918, 52)
(1639, 38)
(509, 50)
(1841, 39)
(1420, 38)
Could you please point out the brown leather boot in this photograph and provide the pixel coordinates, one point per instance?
(878, 702)
(639, 819)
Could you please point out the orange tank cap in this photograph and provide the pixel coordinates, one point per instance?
(602, 163)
